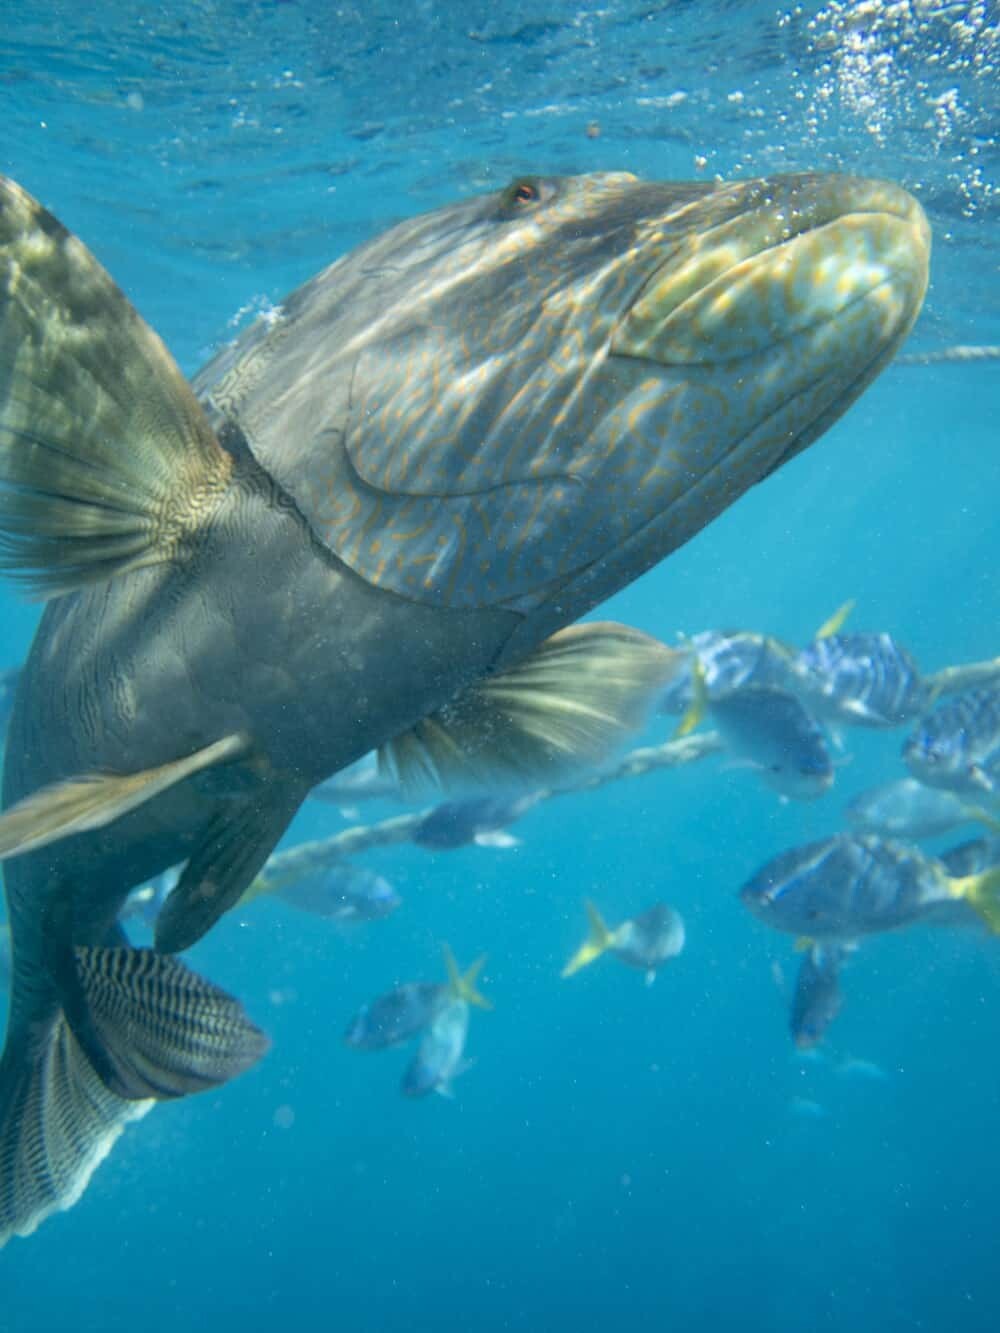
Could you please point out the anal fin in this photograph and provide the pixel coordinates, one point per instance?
(233, 849)
(565, 707)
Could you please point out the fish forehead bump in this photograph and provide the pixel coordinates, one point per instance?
(552, 387)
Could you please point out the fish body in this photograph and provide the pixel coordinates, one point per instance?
(645, 941)
(855, 884)
(866, 680)
(478, 820)
(957, 745)
(648, 940)
(817, 999)
(342, 893)
(907, 809)
(367, 524)
(772, 732)
(397, 1016)
(727, 662)
(972, 857)
(440, 1056)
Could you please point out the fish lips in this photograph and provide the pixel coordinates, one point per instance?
(838, 263)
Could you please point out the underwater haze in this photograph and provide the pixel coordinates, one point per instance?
(615, 1153)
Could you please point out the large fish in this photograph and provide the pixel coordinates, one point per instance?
(368, 524)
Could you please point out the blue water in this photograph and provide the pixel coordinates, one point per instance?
(617, 1156)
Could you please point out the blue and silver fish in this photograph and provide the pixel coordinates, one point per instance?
(480, 820)
(866, 680)
(440, 1057)
(720, 662)
(907, 809)
(817, 999)
(644, 942)
(344, 893)
(957, 745)
(771, 731)
(859, 884)
(408, 1009)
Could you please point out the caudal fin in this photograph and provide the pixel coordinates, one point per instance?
(981, 892)
(599, 941)
(462, 985)
(137, 1027)
(57, 1124)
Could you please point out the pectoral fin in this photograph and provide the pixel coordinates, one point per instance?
(565, 707)
(107, 461)
(82, 804)
(235, 846)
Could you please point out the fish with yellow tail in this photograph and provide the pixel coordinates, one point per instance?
(440, 1057)
(367, 525)
(859, 884)
(644, 942)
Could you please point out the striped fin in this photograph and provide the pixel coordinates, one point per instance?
(58, 1122)
(153, 1028)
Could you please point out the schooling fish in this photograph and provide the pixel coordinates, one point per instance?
(866, 680)
(817, 999)
(957, 745)
(859, 884)
(719, 663)
(772, 732)
(343, 893)
(481, 820)
(645, 941)
(440, 1057)
(366, 525)
(907, 809)
(406, 1010)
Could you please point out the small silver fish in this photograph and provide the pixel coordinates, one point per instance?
(773, 733)
(859, 884)
(396, 1016)
(957, 745)
(907, 809)
(342, 893)
(440, 1057)
(817, 1000)
(866, 680)
(410, 1008)
(645, 941)
(727, 661)
(481, 820)
(360, 781)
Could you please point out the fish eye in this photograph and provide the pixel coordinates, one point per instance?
(522, 194)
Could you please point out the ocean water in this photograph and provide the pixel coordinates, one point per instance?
(617, 1155)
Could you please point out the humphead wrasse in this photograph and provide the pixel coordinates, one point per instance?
(367, 525)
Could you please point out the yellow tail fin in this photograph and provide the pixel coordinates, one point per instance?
(836, 622)
(982, 892)
(462, 985)
(699, 700)
(600, 939)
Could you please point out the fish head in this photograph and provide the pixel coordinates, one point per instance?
(545, 390)
(935, 757)
(805, 891)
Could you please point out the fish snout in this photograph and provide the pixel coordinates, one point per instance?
(838, 262)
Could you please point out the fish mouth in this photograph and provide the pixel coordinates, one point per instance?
(837, 263)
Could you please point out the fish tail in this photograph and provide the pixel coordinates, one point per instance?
(135, 1027)
(981, 892)
(58, 1122)
(836, 622)
(462, 985)
(598, 942)
(107, 461)
(699, 700)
